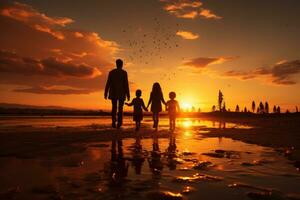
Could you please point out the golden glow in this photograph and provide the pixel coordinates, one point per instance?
(184, 105)
(187, 124)
(187, 134)
(150, 53)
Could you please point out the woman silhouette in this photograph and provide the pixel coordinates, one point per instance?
(156, 98)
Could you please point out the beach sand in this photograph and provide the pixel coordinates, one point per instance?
(43, 159)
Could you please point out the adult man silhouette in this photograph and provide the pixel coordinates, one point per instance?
(117, 89)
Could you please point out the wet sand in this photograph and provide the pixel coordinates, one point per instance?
(59, 159)
(280, 132)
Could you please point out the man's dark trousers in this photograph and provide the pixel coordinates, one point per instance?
(115, 106)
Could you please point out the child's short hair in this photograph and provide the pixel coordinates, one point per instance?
(172, 95)
(138, 93)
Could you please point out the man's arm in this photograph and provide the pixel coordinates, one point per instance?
(130, 104)
(107, 86)
(127, 87)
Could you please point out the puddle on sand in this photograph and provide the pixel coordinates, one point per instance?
(178, 167)
(102, 122)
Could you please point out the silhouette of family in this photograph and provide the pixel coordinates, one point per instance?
(117, 90)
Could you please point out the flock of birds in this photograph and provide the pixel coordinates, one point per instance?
(149, 47)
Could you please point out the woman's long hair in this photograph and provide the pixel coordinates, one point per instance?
(156, 89)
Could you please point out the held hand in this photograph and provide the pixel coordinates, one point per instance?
(127, 104)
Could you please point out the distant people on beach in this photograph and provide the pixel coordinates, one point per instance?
(156, 98)
(117, 89)
(138, 106)
(173, 108)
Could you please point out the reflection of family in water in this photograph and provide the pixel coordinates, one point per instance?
(138, 156)
(118, 165)
(155, 163)
(117, 90)
(118, 168)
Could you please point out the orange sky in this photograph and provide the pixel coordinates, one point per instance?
(59, 52)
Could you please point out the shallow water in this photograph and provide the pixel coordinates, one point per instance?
(104, 121)
(183, 166)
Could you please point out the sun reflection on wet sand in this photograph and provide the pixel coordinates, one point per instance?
(101, 123)
(158, 165)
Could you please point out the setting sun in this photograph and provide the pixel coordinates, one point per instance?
(185, 105)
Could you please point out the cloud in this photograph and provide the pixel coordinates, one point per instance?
(39, 52)
(187, 35)
(39, 21)
(52, 90)
(202, 62)
(281, 73)
(188, 9)
(208, 14)
(12, 63)
(241, 75)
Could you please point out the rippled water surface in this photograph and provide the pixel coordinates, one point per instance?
(184, 165)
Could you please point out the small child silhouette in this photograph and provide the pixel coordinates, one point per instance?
(173, 108)
(138, 106)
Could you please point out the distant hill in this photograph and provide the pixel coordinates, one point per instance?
(24, 106)
(21, 109)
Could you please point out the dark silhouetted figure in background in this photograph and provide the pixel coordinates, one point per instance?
(253, 106)
(138, 106)
(245, 110)
(213, 109)
(156, 98)
(297, 109)
(237, 108)
(117, 89)
(266, 107)
(173, 108)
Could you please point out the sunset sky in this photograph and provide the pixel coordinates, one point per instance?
(59, 52)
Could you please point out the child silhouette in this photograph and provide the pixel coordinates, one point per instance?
(156, 97)
(173, 108)
(138, 106)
